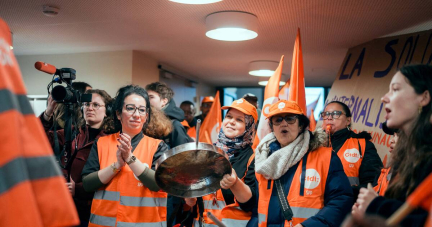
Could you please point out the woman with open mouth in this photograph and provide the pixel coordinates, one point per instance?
(408, 109)
(300, 181)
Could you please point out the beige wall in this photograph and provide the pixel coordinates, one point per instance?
(144, 69)
(104, 70)
(110, 71)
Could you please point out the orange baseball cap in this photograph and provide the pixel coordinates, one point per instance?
(243, 106)
(208, 99)
(284, 106)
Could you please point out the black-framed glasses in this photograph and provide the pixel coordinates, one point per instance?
(290, 119)
(335, 114)
(131, 108)
(94, 105)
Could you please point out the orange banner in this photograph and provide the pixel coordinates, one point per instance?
(297, 84)
(271, 95)
(211, 126)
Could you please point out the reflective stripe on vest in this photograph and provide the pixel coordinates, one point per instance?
(102, 220)
(304, 205)
(107, 221)
(354, 180)
(351, 156)
(142, 201)
(125, 201)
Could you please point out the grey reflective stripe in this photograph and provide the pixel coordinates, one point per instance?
(107, 195)
(261, 218)
(354, 180)
(23, 169)
(143, 201)
(233, 222)
(141, 224)
(102, 220)
(304, 212)
(10, 101)
(218, 206)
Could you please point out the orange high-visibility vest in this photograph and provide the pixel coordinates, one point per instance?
(213, 203)
(32, 189)
(306, 205)
(383, 181)
(125, 201)
(232, 214)
(352, 158)
(192, 133)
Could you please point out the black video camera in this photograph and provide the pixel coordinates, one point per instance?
(67, 94)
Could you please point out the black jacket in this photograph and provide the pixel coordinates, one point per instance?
(178, 136)
(239, 164)
(371, 165)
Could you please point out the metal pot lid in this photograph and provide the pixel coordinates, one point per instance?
(191, 170)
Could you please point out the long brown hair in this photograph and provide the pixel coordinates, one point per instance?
(411, 160)
(160, 125)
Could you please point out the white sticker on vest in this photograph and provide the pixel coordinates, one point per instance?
(312, 179)
(351, 155)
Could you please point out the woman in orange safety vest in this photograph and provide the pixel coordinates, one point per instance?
(300, 182)
(384, 178)
(358, 155)
(121, 167)
(235, 139)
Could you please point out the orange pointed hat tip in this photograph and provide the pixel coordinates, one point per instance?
(208, 99)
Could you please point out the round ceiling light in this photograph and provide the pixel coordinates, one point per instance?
(195, 2)
(232, 26)
(263, 68)
(264, 83)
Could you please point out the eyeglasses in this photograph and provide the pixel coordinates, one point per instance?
(290, 119)
(334, 114)
(131, 108)
(94, 105)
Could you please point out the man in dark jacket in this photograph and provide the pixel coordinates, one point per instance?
(161, 97)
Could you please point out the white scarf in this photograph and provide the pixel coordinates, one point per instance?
(280, 161)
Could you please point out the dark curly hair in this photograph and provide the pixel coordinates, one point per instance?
(117, 108)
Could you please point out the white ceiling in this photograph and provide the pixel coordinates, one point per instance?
(174, 34)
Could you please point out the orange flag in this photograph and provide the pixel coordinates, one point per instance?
(297, 84)
(422, 196)
(312, 125)
(210, 128)
(271, 95)
(33, 190)
(284, 91)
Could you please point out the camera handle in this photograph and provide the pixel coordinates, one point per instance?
(68, 139)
